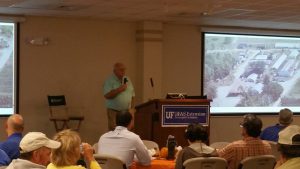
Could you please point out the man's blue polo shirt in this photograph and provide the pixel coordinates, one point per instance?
(11, 145)
(271, 133)
(4, 159)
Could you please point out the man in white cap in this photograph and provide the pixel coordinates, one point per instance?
(289, 147)
(271, 133)
(35, 150)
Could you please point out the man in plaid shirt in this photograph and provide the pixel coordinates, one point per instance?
(251, 145)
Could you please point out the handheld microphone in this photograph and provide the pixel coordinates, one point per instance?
(125, 80)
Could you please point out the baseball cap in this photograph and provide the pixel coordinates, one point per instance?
(290, 135)
(35, 140)
(285, 116)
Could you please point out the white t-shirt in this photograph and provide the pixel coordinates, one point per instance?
(124, 144)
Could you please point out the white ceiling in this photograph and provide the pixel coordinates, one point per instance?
(284, 14)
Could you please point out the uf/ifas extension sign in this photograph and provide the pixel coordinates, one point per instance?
(182, 115)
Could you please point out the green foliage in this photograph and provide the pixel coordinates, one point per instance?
(250, 98)
(7, 29)
(273, 90)
(266, 79)
(253, 98)
(289, 101)
(295, 91)
(211, 90)
(218, 65)
(258, 67)
(228, 40)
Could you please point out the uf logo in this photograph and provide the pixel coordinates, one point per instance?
(169, 115)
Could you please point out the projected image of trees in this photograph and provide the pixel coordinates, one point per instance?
(6, 65)
(254, 71)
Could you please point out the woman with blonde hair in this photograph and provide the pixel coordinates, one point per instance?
(69, 152)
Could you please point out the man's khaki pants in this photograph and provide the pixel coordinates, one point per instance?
(111, 117)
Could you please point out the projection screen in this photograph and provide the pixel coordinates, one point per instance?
(251, 73)
(8, 68)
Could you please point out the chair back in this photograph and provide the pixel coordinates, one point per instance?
(151, 144)
(205, 163)
(59, 100)
(259, 162)
(109, 162)
(219, 145)
(274, 148)
(57, 106)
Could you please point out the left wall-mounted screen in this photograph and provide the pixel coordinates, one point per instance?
(8, 68)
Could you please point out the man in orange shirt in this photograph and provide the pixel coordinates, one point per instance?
(251, 145)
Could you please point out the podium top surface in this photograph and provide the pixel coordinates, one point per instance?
(174, 101)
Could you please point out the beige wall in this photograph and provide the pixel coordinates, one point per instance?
(77, 60)
(181, 59)
(80, 56)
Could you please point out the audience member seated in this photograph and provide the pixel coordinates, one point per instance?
(251, 145)
(35, 149)
(289, 147)
(14, 127)
(123, 143)
(67, 155)
(271, 133)
(196, 135)
(4, 159)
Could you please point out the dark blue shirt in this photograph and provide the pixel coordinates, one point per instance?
(4, 159)
(271, 133)
(11, 145)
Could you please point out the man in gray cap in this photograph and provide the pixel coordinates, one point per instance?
(289, 147)
(35, 150)
(271, 133)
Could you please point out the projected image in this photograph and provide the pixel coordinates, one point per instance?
(6, 67)
(245, 73)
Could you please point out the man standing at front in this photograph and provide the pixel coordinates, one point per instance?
(119, 94)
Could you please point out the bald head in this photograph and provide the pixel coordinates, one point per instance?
(15, 124)
(119, 70)
(118, 65)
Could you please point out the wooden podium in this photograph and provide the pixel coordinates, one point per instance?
(148, 121)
